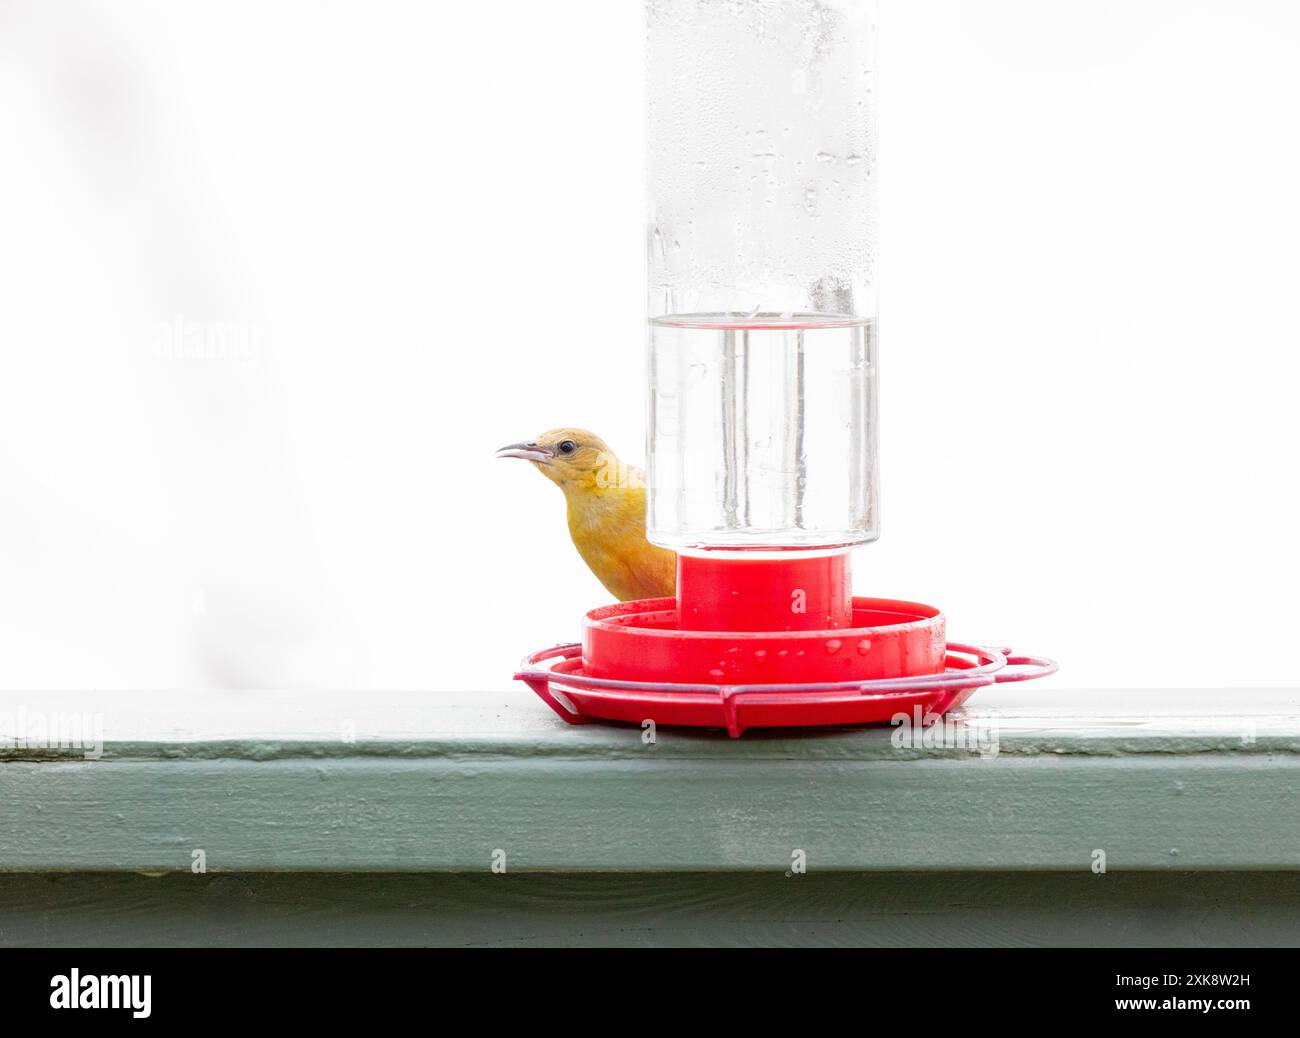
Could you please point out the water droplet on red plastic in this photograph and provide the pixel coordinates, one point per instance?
(864, 646)
(833, 645)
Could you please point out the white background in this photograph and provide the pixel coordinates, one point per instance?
(425, 221)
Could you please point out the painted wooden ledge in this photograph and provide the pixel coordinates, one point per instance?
(345, 783)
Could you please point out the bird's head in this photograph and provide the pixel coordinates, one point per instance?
(571, 458)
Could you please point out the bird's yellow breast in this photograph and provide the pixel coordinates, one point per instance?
(608, 528)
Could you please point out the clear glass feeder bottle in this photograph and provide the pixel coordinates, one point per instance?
(762, 140)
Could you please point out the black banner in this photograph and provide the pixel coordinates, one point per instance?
(146, 987)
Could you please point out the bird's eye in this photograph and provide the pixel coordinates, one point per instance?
(566, 446)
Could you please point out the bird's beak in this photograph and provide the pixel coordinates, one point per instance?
(527, 451)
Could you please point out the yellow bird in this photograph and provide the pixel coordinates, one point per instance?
(606, 502)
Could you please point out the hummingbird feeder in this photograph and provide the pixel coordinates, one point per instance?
(762, 471)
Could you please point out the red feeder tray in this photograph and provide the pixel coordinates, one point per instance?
(583, 689)
(766, 643)
(579, 698)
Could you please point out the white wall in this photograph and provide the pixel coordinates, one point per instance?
(422, 225)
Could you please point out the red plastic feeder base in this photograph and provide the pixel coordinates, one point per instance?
(557, 676)
(766, 643)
